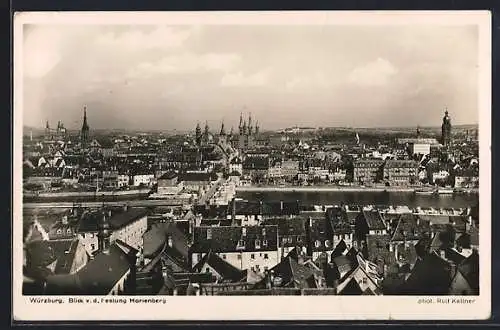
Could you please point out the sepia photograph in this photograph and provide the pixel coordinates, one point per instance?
(252, 154)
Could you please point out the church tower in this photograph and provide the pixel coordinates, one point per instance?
(446, 130)
(222, 134)
(241, 124)
(206, 134)
(250, 124)
(104, 235)
(198, 134)
(84, 135)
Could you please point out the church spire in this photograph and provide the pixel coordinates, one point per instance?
(222, 129)
(85, 127)
(250, 124)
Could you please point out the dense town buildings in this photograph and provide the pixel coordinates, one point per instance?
(208, 241)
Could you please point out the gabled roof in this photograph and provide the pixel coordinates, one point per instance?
(339, 250)
(122, 219)
(224, 269)
(225, 239)
(469, 268)
(430, 276)
(98, 277)
(293, 274)
(409, 228)
(373, 220)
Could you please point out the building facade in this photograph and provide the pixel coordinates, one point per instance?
(367, 170)
(400, 172)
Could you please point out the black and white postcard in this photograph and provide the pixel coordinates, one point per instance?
(297, 165)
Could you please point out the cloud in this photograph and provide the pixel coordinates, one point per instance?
(185, 63)
(317, 80)
(260, 78)
(376, 73)
(159, 38)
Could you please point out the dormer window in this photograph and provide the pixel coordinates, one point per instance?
(264, 242)
(209, 233)
(317, 243)
(328, 243)
(257, 243)
(68, 231)
(59, 231)
(263, 231)
(244, 231)
(241, 244)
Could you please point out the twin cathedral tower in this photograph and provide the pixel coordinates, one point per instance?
(246, 137)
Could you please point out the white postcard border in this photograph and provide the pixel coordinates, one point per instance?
(265, 307)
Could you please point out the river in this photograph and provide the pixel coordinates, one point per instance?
(366, 198)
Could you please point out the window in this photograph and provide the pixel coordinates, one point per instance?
(317, 243)
(239, 256)
(264, 242)
(290, 240)
(207, 270)
(92, 246)
(68, 231)
(263, 231)
(266, 256)
(299, 239)
(224, 256)
(327, 243)
(244, 231)
(257, 243)
(252, 256)
(59, 231)
(209, 233)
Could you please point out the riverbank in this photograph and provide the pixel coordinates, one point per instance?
(333, 189)
(85, 195)
(322, 189)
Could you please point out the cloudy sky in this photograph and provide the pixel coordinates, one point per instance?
(170, 77)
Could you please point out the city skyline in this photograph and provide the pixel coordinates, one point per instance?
(166, 77)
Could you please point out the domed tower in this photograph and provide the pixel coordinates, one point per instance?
(446, 129)
(104, 234)
(198, 134)
(84, 135)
